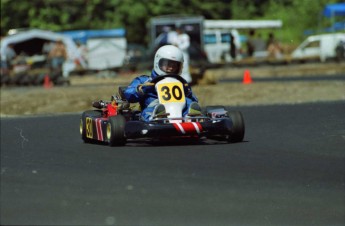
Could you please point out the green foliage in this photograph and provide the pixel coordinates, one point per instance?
(244, 10)
(297, 16)
(133, 15)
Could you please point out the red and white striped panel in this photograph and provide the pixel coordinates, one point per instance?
(98, 122)
(188, 127)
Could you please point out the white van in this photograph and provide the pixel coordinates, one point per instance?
(217, 45)
(320, 47)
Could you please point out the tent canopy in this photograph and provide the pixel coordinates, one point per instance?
(23, 39)
(83, 35)
(337, 9)
(242, 24)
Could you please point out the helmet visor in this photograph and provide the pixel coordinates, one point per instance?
(170, 66)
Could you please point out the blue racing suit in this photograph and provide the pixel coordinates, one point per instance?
(149, 99)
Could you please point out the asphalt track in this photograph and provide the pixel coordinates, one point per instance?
(288, 171)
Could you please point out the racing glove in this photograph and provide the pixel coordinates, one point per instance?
(142, 89)
(188, 90)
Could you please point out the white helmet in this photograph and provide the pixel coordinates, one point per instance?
(168, 61)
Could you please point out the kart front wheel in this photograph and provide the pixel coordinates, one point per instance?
(116, 130)
(238, 128)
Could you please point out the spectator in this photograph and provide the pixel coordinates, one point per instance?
(259, 44)
(235, 45)
(58, 55)
(47, 47)
(182, 41)
(10, 56)
(3, 67)
(250, 43)
(270, 39)
(273, 47)
(232, 47)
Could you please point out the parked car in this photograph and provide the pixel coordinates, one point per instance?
(320, 47)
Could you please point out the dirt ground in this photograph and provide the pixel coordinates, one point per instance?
(84, 89)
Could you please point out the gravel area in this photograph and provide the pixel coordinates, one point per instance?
(312, 85)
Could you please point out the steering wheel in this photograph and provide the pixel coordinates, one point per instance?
(154, 81)
(159, 78)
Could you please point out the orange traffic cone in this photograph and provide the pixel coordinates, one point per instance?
(246, 77)
(47, 84)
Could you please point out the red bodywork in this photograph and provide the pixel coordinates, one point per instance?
(110, 110)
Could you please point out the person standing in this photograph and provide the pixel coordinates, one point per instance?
(250, 44)
(47, 47)
(270, 39)
(274, 48)
(182, 41)
(232, 47)
(10, 56)
(58, 55)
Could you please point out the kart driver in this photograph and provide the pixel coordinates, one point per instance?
(168, 61)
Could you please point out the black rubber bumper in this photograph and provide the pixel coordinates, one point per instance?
(140, 129)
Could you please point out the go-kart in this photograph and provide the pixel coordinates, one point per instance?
(116, 121)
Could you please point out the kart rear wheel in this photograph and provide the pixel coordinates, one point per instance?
(82, 127)
(116, 130)
(238, 127)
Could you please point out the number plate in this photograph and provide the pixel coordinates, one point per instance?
(89, 132)
(170, 92)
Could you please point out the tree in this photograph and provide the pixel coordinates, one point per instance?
(133, 15)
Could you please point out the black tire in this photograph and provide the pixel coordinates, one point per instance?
(39, 79)
(238, 127)
(116, 130)
(17, 78)
(25, 80)
(5, 78)
(82, 127)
